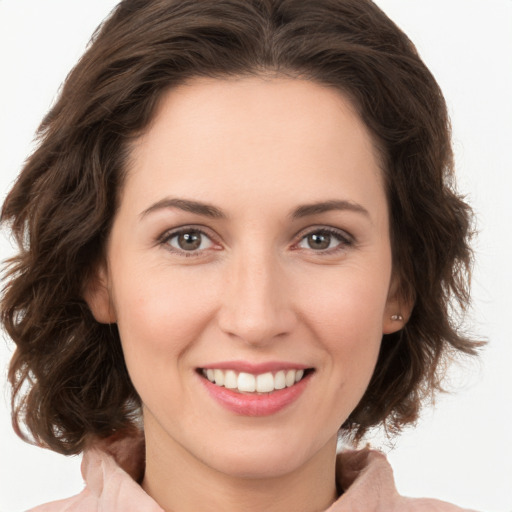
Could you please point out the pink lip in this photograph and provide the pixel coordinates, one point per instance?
(255, 368)
(263, 404)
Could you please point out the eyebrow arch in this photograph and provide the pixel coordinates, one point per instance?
(327, 206)
(207, 210)
(213, 212)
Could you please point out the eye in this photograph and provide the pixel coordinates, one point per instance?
(188, 240)
(324, 240)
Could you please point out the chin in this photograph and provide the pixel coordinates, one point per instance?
(258, 464)
(267, 457)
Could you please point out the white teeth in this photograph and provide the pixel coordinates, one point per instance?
(265, 383)
(219, 377)
(231, 380)
(248, 383)
(290, 378)
(280, 380)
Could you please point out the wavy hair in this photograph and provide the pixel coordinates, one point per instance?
(69, 381)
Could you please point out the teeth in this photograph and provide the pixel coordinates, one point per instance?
(280, 380)
(265, 383)
(290, 378)
(249, 383)
(219, 377)
(230, 380)
(246, 382)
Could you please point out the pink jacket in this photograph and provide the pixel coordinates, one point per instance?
(112, 470)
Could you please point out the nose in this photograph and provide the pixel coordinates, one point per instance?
(256, 306)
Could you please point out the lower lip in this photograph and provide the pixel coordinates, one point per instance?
(254, 404)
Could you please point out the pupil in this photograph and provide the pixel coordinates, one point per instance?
(319, 241)
(189, 241)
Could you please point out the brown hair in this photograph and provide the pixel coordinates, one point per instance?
(70, 383)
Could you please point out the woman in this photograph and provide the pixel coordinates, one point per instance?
(241, 239)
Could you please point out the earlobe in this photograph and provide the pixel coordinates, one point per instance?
(97, 295)
(397, 311)
(393, 323)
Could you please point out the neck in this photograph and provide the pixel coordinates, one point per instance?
(180, 482)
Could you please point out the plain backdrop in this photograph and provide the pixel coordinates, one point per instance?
(461, 451)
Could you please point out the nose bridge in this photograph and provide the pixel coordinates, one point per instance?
(255, 306)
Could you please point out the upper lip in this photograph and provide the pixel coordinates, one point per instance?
(255, 368)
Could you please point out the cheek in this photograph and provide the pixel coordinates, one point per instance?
(159, 316)
(346, 318)
(349, 303)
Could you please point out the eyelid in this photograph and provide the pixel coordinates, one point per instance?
(167, 235)
(346, 239)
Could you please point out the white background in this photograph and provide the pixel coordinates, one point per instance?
(462, 450)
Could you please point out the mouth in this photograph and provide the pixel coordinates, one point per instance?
(255, 384)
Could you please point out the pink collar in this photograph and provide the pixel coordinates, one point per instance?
(113, 468)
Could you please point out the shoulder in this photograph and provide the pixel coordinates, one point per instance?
(366, 478)
(110, 472)
(82, 502)
(429, 505)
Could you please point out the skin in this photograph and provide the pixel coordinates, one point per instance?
(256, 290)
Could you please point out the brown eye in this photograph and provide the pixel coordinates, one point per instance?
(190, 240)
(325, 240)
(319, 241)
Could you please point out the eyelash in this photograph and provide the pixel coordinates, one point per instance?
(169, 235)
(345, 240)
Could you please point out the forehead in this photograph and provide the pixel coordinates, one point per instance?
(254, 135)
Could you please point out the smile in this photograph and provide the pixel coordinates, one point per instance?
(244, 382)
(255, 389)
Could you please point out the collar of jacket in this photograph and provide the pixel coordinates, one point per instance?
(114, 468)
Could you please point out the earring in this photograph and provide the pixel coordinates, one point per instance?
(397, 318)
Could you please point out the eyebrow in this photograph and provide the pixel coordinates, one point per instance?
(204, 209)
(208, 210)
(327, 206)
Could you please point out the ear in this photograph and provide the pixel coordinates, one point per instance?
(97, 295)
(398, 308)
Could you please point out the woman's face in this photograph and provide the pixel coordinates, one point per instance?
(251, 246)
